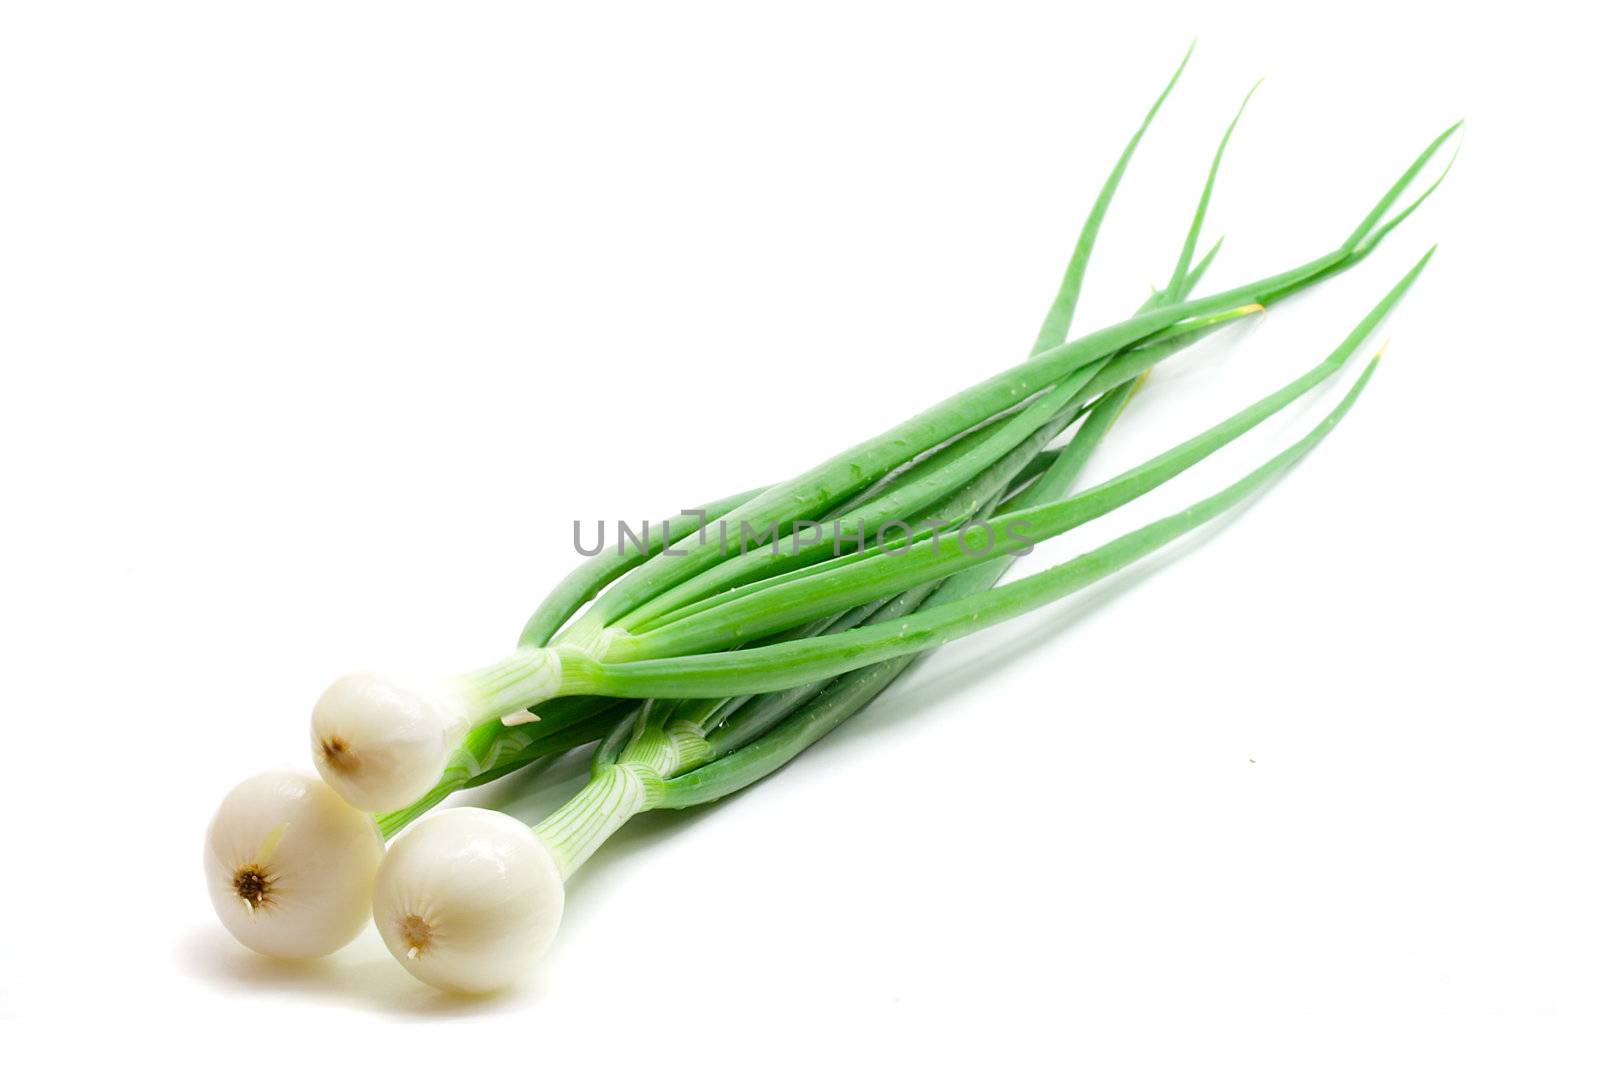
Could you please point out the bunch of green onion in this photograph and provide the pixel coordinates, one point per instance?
(694, 673)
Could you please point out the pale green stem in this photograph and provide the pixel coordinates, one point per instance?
(504, 690)
(619, 791)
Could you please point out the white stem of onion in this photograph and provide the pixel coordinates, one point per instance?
(290, 866)
(382, 744)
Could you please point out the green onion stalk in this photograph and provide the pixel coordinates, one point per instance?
(383, 746)
(699, 675)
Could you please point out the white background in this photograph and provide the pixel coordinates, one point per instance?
(322, 322)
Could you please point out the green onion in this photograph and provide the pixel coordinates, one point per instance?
(693, 673)
(700, 675)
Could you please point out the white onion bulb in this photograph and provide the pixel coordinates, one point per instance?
(468, 899)
(290, 866)
(380, 744)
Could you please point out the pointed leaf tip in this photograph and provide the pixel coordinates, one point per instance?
(1188, 54)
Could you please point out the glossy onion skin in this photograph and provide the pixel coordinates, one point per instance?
(317, 854)
(483, 886)
(379, 744)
